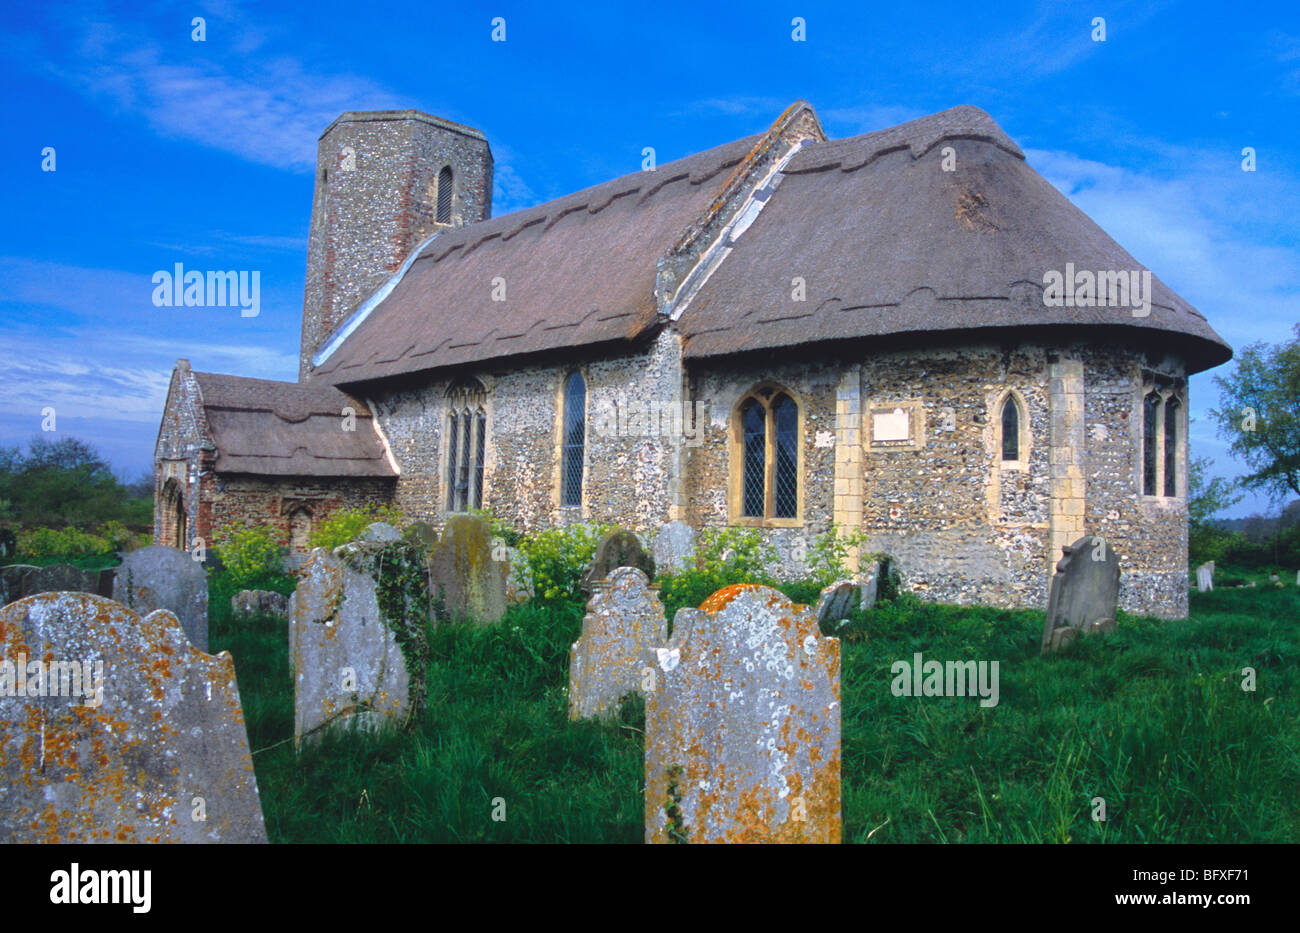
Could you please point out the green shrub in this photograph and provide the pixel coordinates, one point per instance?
(346, 525)
(71, 542)
(250, 556)
(723, 556)
(558, 557)
(827, 554)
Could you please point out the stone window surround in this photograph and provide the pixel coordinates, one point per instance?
(444, 415)
(736, 460)
(557, 445)
(1166, 387)
(453, 210)
(1026, 439)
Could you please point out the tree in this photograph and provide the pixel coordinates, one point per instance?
(1260, 413)
(1205, 540)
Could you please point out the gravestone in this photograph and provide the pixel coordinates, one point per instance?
(64, 578)
(380, 533)
(868, 578)
(683, 619)
(618, 548)
(8, 543)
(158, 577)
(836, 602)
(259, 602)
(143, 739)
(519, 579)
(353, 661)
(12, 579)
(1084, 592)
(623, 625)
(742, 740)
(673, 548)
(463, 576)
(1205, 577)
(423, 534)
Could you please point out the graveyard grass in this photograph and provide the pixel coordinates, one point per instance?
(1153, 719)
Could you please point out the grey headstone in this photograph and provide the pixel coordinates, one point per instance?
(254, 602)
(156, 736)
(423, 533)
(623, 625)
(742, 740)
(673, 548)
(868, 578)
(8, 543)
(1205, 577)
(380, 533)
(12, 582)
(683, 619)
(1084, 592)
(62, 578)
(619, 548)
(158, 577)
(464, 574)
(348, 664)
(837, 601)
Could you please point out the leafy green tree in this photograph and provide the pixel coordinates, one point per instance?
(1205, 499)
(1260, 413)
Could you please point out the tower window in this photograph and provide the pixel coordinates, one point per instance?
(574, 441)
(466, 445)
(444, 195)
(1171, 447)
(1161, 442)
(1150, 457)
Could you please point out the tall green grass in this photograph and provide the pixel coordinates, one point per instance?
(1151, 718)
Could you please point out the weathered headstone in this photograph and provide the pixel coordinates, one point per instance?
(868, 578)
(617, 549)
(742, 739)
(356, 657)
(623, 625)
(12, 580)
(463, 575)
(423, 534)
(836, 602)
(138, 737)
(259, 602)
(64, 578)
(683, 619)
(1205, 577)
(1084, 592)
(8, 543)
(158, 577)
(673, 548)
(519, 578)
(380, 533)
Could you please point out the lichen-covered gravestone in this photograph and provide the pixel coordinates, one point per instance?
(158, 577)
(465, 577)
(357, 642)
(742, 740)
(673, 548)
(1084, 593)
(247, 603)
(137, 737)
(12, 582)
(836, 602)
(617, 549)
(868, 578)
(623, 626)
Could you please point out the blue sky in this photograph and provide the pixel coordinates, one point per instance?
(169, 150)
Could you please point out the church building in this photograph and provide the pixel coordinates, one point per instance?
(909, 334)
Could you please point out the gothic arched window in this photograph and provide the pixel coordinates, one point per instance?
(766, 453)
(1171, 447)
(1150, 456)
(1010, 429)
(466, 443)
(444, 195)
(574, 440)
